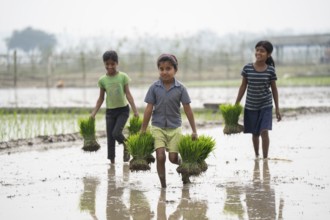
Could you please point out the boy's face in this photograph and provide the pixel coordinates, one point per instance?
(111, 67)
(166, 71)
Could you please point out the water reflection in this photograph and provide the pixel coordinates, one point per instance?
(161, 206)
(80, 97)
(87, 198)
(188, 208)
(140, 207)
(233, 205)
(115, 208)
(260, 196)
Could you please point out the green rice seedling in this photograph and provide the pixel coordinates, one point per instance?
(230, 114)
(206, 146)
(194, 153)
(87, 131)
(134, 126)
(140, 146)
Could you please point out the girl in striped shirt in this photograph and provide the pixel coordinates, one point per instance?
(259, 79)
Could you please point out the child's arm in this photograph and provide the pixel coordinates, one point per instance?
(146, 117)
(131, 100)
(241, 90)
(99, 102)
(275, 97)
(190, 115)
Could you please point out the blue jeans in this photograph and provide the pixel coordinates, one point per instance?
(116, 120)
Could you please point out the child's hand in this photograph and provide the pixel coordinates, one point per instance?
(278, 115)
(136, 114)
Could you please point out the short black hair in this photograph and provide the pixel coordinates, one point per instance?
(110, 55)
(168, 57)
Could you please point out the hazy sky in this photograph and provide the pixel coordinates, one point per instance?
(164, 17)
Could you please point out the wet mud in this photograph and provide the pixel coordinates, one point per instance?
(59, 181)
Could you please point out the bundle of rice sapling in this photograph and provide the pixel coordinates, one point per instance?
(87, 131)
(140, 146)
(193, 154)
(230, 114)
(134, 127)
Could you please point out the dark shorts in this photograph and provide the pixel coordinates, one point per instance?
(256, 121)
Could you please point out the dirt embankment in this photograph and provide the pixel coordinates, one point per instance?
(46, 139)
(49, 139)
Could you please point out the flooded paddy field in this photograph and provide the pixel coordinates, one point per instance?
(59, 181)
(290, 97)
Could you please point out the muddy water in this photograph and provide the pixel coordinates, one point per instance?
(78, 97)
(59, 181)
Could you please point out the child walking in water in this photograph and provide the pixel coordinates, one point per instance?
(163, 104)
(115, 84)
(258, 78)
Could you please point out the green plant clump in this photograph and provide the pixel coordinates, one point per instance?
(193, 154)
(140, 146)
(87, 131)
(134, 126)
(230, 114)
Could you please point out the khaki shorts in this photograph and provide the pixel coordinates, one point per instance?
(167, 137)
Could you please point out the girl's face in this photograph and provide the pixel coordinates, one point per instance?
(111, 67)
(166, 71)
(261, 54)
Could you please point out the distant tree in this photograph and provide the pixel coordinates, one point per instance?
(30, 39)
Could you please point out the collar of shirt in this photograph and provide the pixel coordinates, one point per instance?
(160, 83)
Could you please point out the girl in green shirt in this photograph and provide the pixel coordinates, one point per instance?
(115, 85)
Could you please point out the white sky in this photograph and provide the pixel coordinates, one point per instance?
(87, 18)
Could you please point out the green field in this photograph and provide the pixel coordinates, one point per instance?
(282, 81)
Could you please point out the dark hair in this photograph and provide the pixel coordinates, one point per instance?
(269, 48)
(110, 55)
(168, 57)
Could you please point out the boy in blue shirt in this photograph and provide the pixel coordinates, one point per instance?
(163, 99)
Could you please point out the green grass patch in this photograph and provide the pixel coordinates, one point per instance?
(304, 81)
(282, 81)
(26, 123)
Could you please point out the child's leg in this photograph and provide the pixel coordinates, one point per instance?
(111, 142)
(265, 143)
(174, 137)
(255, 141)
(120, 123)
(174, 158)
(117, 132)
(161, 159)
